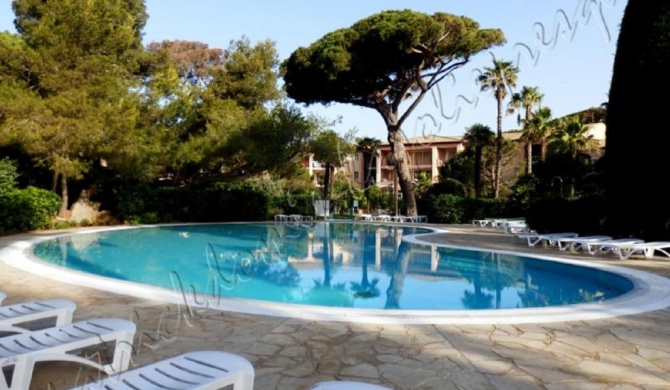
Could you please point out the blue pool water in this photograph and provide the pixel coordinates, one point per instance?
(328, 264)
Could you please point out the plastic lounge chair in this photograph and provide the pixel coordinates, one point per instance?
(514, 227)
(20, 313)
(575, 243)
(202, 370)
(481, 222)
(610, 246)
(545, 239)
(382, 218)
(22, 351)
(363, 217)
(346, 385)
(646, 248)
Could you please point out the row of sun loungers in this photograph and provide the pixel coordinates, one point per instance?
(599, 244)
(293, 217)
(25, 342)
(509, 226)
(390, 218)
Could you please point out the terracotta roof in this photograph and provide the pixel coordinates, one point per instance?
(432, 139)
(512, 135)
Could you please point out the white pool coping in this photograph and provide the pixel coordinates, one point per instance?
(651, 292)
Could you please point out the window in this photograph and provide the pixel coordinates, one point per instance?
(356, 175)
(421, 158)
(356, 157)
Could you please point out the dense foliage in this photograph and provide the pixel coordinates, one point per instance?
(81, 98)
(636, 155)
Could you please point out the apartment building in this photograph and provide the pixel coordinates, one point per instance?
(426, 155)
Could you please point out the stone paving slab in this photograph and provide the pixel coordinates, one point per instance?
(630, 352)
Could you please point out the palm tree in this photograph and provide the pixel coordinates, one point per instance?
(537, 130)
(501, 76)
(478, 136)
(571, 138)
(329, 149)
(529, 97)
(368, 146)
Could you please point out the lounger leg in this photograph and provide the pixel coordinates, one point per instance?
(23, 372)
(64, 318)
(625, 253)
(122, 355)
(244, 382)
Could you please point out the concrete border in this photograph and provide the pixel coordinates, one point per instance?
(651, 292)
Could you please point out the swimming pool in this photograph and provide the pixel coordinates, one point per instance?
(340, 271)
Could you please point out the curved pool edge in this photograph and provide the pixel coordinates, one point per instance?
(651, 292)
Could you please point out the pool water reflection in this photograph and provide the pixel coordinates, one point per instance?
(328, 264)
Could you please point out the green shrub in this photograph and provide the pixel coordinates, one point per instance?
(449, 186)
(8, 175)
(448, 208)
(584, 215)
(27, 209)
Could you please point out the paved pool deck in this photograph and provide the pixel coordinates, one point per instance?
(629, 352)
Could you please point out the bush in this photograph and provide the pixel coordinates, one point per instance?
(449, 186)
(455, 209)
(8, 175)
(147, 204)
(218, 204)
(27, 209)
(584, 215)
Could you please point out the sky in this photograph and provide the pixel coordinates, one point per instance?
(565, 48)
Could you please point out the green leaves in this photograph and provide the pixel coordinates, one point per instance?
(383, 56)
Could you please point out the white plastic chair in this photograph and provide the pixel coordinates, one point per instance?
(546, 239)
(22, 351)
(610, 246)
(201, 370)
(13, 315)
(645, 248)
(575, 243)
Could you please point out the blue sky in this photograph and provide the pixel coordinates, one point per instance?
(573, 43)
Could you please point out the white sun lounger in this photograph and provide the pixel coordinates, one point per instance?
(481, 222)
(575, 243)
(201, 370)
(346, 385)
(609, 246)
(22, 351)
(381, 218)
(646, 248)
(545, 239)
(13, 315)
(515, 227)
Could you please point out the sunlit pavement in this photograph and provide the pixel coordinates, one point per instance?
(631, 352)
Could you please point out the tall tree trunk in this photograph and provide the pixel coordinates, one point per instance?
(543, 150)
(402, 170)
(498, 166)
(331, 182)
(54, 182)
(326, 181)
(62, 212)
(529, 144)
